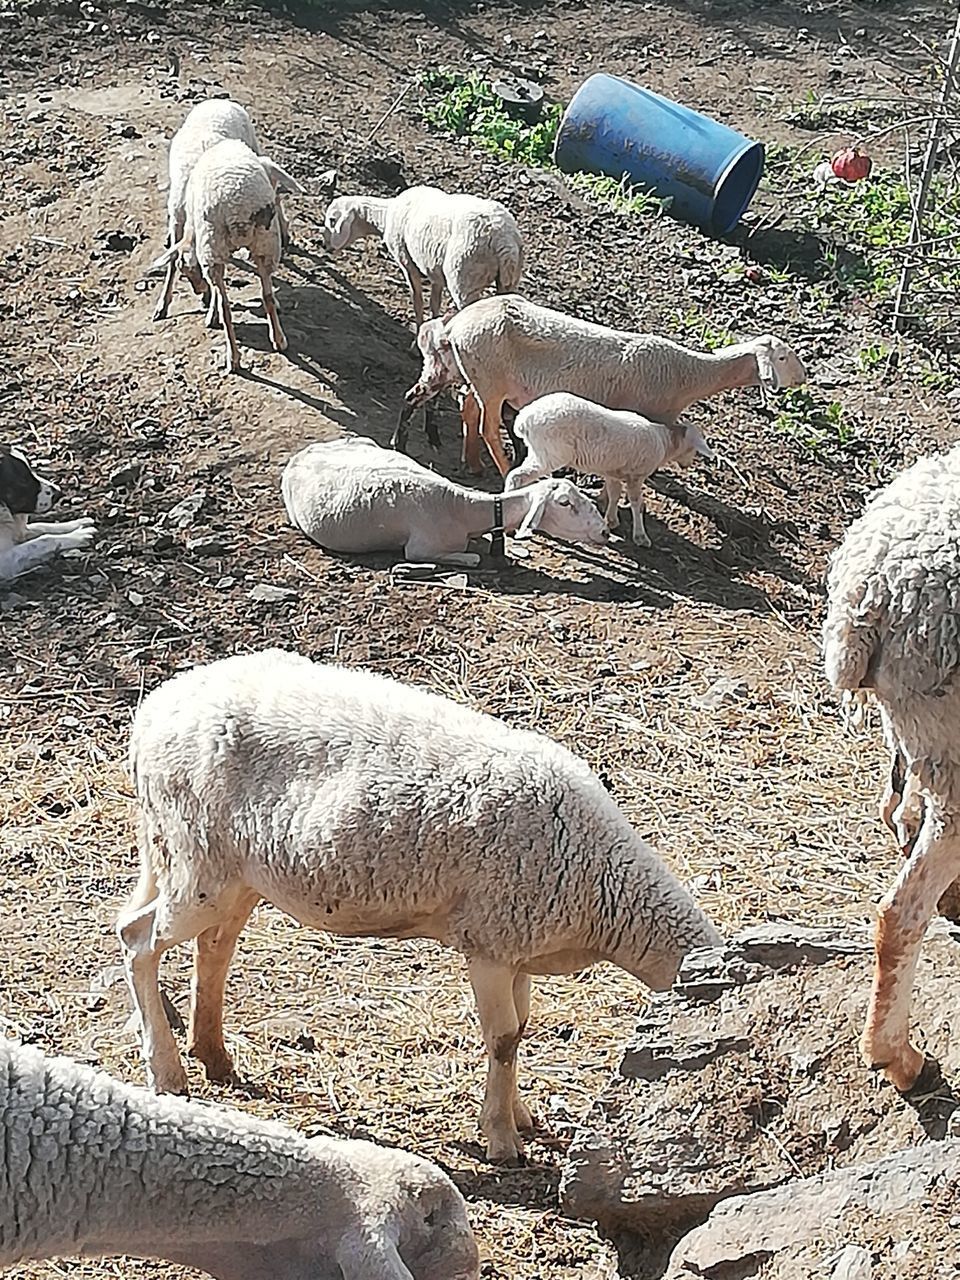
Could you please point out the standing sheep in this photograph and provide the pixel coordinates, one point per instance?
(364, 807)
(206, 124)
(90, 1167)
(892, 631)
(350, 495)
(561, 430)
(231, 204)
(462, 242)
(510, 351)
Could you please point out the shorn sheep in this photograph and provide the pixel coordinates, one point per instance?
(231, 204)
(349, 495)
(562, 430)
(892, 631)
(205, 125)
(510, 351)
(90, 1167)
(364, 807)
(462, 242)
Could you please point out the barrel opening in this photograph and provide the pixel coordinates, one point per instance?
(736, 188)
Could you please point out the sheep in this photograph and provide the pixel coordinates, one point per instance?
(891, 636)
(461, 241)
(365, 807)
(510, 351)
(561, 430)
(90, 1167)
(231, 203)
(206, 124)
(350, 495)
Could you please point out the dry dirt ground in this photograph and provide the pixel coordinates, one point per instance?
(750, 787)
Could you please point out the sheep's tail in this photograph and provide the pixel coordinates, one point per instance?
(279, 178)
(850, 650)
(509, 266)
(160, 264)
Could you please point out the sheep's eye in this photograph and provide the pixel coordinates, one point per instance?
(563, 502)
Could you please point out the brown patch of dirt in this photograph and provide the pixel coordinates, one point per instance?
(750, 788)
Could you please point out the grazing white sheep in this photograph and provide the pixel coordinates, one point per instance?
(463, 242)
(893, 631)
(231, 204)
(562, 430)
(510, 351)
(364, 807)
(350, 495)
(90, 1167)
(206, 124)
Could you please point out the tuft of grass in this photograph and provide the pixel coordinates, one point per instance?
(619, 197)
(873, 356)
(701, 332)
(821, 427)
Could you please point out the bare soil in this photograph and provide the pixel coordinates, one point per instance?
(686, 674)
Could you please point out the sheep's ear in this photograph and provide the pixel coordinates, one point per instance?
(767, 371)
(280, 180)
(159, 265)
(339, 234)
(531, 521)
(698, 443)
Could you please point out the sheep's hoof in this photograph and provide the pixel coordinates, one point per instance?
(522, 1117)
(506, 1150)
(217, 1065)
(641, 541)
(280, 344)
(902, 1066)
(231, 365)
(174, 1081)
(160, 311)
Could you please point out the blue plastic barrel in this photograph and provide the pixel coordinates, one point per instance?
(616, 127)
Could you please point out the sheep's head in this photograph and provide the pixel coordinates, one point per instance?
(558, 508)
(343, 224)
(778, 365)
(690, 445)
(439, 363)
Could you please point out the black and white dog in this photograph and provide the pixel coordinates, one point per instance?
(23, 493)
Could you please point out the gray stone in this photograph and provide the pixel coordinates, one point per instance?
(792, 1232)
(747, 1074)
(270, 594)
(206, 545)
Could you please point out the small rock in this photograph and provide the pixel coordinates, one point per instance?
(270, 594)
(206, 546)
(70, 722)
(163, 542)
(127, 476)
(720, 691)
(125, 130)
(853, 1262)
(224, 584)
(183, 513)
(135, 598)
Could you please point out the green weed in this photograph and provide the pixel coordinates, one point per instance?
(873, 357)
(819, 426)
(620, 197)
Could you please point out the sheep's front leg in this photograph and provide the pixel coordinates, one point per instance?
(163, 302)
(416, 291)
(521, 1000)
(612, 489)
(277, 336)
(637, 505)
(470, 418)
(232, 362)
(136, 929)
(527, 473)
(213, 952)
(904, 915)
(284, 225)
(493, 986)
(490, 412)
(436, 294)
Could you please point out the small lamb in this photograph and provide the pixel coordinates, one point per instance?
(231, 204)
(510, 351)
(350, 495)
(461, 241)
(562, 430)
(892, 634)
(206, 124)
(365, 807)
(90, 1167)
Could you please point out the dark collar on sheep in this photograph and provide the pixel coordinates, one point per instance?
(497, 532)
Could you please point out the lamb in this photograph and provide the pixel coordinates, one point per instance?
(350, 495)
(90, 1167)
(891, 635)
(206, 124)
(510, 351)
(461, 241)
(231, 204)
(365, 807)
(561, 430)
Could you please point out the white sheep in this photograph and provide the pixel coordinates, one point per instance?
(365, 807)
(231, 204)
(206, 124)
(349, 495)
(90, 1167)
(892, 631)
(562, 430)
(510, 351)
(459, 241)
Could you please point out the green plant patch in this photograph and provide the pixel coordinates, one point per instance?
(820, 426)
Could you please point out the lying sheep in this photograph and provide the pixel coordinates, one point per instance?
(364, 807)
(231, 204)
(90, 1167)
(462, 242)
(891, 631)
(511, 351)
(206, 124)
(351, 495)
(561, 430)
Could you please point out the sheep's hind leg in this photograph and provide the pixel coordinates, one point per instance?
(277, 336)
(213, 951)
(163, 302)
(612, 488)
(493, 986)
(490, 433)
(637, 505)
(521, 1000)
(904, 915)
(470, 417)
(232, 362)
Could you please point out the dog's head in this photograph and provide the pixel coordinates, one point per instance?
(22, 491)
